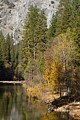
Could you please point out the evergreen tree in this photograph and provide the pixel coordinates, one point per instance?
(2, 47)
(18, 61)
(29, 34)
(41, 33)
(9, 50)
(75, 26)
(63, 16)
(2, 56)
(34, 36)
(52, 28)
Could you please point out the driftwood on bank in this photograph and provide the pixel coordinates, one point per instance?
(12, 82)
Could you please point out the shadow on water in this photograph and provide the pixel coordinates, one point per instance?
(15, 105)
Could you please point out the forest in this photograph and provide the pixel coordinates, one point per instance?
(49, 56)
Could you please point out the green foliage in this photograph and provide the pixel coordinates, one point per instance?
(67, 15)
(9, 49)
(60, 61)
(2, 47)
(41, 66)
(34, 36)
(7, 57)
(52, 53)
(29, 34)
(63, 16)
(52, 28)
(2, 55)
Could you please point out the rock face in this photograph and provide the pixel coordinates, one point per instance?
(13, 13)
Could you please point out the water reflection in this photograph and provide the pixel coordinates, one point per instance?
(14, 105)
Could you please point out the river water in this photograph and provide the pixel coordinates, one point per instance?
(15, 105)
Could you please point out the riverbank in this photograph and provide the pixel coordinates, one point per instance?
(46, 96)
(72, 108)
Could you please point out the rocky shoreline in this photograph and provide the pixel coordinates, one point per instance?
(72, 108)
(55, 103)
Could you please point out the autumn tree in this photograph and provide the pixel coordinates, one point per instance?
(62, 55)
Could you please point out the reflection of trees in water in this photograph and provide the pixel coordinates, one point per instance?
(10, 103)
(57, 116)
(14, 105)
(5, 105)
(41, 113)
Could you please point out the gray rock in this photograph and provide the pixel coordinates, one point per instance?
(13, 13)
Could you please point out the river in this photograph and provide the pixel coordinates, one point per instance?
(15, 105)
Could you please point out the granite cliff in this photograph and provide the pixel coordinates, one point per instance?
(13, 13)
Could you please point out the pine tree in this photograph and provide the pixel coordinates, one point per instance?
(52, 28)
(41, 33)
(75, 26)
(35, 32)
(63, 16)
(29, 34)
(2, 47)
(10, 50)
(2, 56)
(34, 36)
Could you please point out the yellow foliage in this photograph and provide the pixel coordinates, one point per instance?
(56, 69)
(50, 116)
(61, 54)
(47, 71)
(33, 92)
(24, 86)
(52, 74)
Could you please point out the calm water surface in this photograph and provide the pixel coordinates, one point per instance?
(15, 105)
